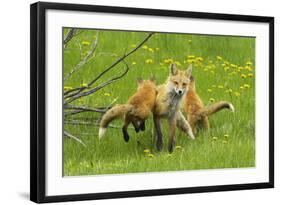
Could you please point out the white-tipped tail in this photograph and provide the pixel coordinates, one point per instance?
(191, 135)
(231, 107)
(101, 132)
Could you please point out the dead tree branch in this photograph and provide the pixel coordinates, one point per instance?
(85, 59)
(80, 89)
(74, 138)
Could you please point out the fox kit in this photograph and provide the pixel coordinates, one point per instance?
(135, 111)
(167, 105)
(197, 113)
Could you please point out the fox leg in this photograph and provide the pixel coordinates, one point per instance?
(142, 125)
(159, 136)
(184, 125)
(124, 129)
(205, 123)
(172, 134)
(136, 125)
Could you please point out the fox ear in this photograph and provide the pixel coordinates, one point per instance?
(173, 69)
(139, 80)
(188, 71)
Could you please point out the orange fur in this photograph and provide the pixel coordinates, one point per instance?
(135, 111)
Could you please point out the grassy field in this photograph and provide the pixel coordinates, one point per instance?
(224, 70)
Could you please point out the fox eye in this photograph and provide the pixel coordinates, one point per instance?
(176, 83)
(184, 84)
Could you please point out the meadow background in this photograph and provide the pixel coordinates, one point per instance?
(223, 67)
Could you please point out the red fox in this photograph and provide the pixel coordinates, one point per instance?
(167, 105)
(135, 111)
(197, 113)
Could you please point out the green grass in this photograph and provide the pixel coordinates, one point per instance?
(214, 77)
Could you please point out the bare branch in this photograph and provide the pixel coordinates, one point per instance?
(85, 59)
(68, 36)
(95, 89)
(79, 90)
(74, 138)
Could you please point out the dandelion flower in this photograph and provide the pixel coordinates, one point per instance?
(106, 94)
(168, 61)
(209, 90)
(151, 50)
(211, 99)
(146, 151)
(67, 87)
(243, 76)
(190, 61)
(219, 58)
(215, 138)
(249, 63)
(199, 59)
(191, 56)
(226, 68)
(150, 155)
(250, 75)
(134, 63)
(177, 63)
(149, 61)
(229, 90)
(86, 43)
(84, 85)
(178, 147)
(237, 94)
(224, 141)
(226, 135)
(242, 87)
(220, 86)
(246, 86)
(145, 47)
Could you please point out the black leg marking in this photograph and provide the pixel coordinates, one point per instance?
(125, 134)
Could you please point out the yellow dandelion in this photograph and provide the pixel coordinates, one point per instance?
(86, 43)
(199, 59)
(248, 68)
(233, 65)
(146, 151)
(249, 63)
(168, 61)
(226, 62)
(178, 147)
(229, 91)
(177, 63)
(191, 56)
(243, 76)
(84, 85)
(226, 68)
(67, 87)
(190, 61)
(211, 99)
(145, 47)
(134, 63)
(224, 141)
(250, 75)
(246, 86)
(219, 58)
(223, 64)
(209, 90)
(149, 61)
(226, 135)
(215, 138)
(106, 94)
(237, 94)
(151, 50)
(150, 155)
(242, 87)
(220, 86)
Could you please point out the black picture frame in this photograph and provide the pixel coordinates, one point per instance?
(38, 100)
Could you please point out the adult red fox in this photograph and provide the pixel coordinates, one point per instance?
(197, 113)
(167, 105)
(135, 111)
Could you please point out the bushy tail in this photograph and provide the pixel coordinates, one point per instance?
(113, 113)
(213, 108)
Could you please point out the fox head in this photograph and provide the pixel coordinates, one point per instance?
(178, 81)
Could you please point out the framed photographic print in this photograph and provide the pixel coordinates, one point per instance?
(129, 102)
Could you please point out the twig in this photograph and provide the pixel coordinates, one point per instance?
(68, 36)
(112, 80)
(74, 138)
(80, 89)
(85, 59)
